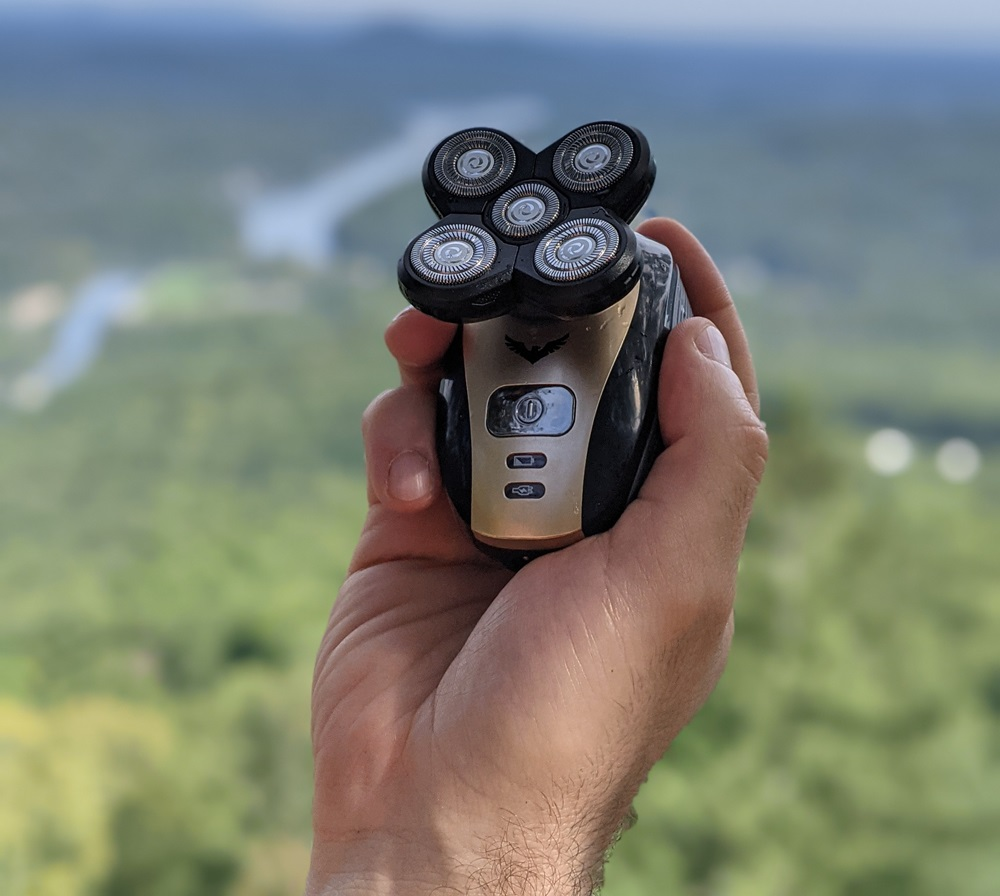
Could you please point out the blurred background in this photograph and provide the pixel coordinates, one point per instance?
(200, 213)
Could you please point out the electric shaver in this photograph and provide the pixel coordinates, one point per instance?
(547, 414)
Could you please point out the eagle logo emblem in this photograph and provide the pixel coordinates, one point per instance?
(536, 352)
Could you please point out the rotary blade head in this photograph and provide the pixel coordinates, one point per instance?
(593, 158)
(451, 254)
(474, 163)
(576, 249)
(458, 271)
(525, 210)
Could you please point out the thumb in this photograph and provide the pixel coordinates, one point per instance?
(706, 412)
(692, 511)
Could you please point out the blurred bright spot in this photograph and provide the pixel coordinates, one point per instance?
(958, 460)
(889, 452)
(30, 392)
(35, 307)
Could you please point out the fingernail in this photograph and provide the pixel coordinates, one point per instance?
(400, 313)
(409, 477)
(712, 344)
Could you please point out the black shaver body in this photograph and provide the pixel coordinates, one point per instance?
(547, 420)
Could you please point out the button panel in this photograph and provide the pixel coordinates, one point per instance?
(530, 411)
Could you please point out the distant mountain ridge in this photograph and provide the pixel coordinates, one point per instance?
(439, 58)
(859, 180)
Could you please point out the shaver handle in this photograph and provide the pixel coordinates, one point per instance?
(546, 429)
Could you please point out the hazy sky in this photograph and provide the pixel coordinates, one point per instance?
(964, 22)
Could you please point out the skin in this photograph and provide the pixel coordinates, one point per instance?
(481, 732)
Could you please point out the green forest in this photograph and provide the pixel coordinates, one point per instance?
(175, 525)
(176, 528)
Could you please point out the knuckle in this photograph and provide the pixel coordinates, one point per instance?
(728, 634)
(705, 606)
(752, 448)
(375, 410)
(717, 608)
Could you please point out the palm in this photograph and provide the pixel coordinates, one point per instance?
(436, 678)
(416, 590)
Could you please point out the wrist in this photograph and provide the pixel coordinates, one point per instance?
(506, 865)
(380, 865)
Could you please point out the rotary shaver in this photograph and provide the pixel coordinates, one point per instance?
(547, 419)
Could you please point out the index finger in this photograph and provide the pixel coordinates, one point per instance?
(418, 343)
(708, 293)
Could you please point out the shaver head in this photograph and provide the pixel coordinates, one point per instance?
(459, 271)
(603, 163)
(469, 167)
(581, 266)
(531, 235)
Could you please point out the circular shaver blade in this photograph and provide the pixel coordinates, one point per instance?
(474, 163)
(593, 157)
(451, 254)
(525, 210)
(577, 249)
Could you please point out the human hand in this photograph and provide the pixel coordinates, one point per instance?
(477, 731)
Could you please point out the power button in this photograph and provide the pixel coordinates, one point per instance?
(529, 409)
